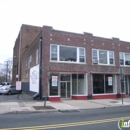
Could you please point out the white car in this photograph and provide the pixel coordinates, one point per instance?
(9, 89)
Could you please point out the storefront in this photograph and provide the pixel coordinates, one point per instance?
(104, 86)
(67, 86)
(125, 85)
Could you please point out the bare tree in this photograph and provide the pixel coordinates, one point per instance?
(6, 71)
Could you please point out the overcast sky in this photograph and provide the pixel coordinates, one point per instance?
(104, 18)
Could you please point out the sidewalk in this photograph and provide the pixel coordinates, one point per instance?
(25, 103)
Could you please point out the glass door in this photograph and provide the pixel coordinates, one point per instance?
(65, 89)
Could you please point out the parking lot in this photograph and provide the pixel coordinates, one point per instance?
(15, 97)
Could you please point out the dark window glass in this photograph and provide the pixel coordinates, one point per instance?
(74, 84)
(53, 88)
(68, 54)
(65, 77)
(108, 83)
(98, 83)
(102, 83)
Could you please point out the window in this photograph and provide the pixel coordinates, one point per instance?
(103, 83)
(95, 55)
(36, 56)
(67, 54)
(78, 84)
(54, 52)
(81, 55)
(124, 58)
(103, 57)
(111, 57)
(54, 85)
(29, 61)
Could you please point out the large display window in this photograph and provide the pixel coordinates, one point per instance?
(78, 84)
(103, 83)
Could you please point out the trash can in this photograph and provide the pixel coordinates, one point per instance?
(35, 96)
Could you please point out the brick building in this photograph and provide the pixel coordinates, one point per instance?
(73, 66)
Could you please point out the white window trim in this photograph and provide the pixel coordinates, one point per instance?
(123, 58)
(108, 58)
(58, 55)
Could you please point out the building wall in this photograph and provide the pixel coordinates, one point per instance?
(26, 36)
(86, 40)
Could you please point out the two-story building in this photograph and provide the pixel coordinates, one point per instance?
(74, 66)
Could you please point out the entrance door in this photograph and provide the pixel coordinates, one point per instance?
(65, 89)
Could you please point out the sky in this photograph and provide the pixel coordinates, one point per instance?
(103, 18)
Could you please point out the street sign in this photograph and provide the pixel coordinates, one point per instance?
(18, 85)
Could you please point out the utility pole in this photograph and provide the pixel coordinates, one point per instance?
(6, 73)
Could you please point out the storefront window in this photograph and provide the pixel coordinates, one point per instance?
(74, 84)
(103, 83)
(78, 84)
(54, 85)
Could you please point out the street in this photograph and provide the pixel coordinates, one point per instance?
(90, 119)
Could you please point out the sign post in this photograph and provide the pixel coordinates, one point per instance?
(18, 86)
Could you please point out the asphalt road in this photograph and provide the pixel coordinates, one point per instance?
(94, 119)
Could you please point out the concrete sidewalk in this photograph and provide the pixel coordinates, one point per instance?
(26, 104)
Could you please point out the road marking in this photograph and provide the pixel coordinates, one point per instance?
(68, 124)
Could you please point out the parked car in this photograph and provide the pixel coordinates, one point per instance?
(9, 89)
(1, 85)
(5, 83)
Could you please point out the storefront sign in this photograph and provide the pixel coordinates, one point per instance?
(54, 80)
(109, 80)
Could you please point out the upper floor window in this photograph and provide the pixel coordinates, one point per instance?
(67, 54)
(36, 56)
(103, 57)
(29, 61)
(124, 58)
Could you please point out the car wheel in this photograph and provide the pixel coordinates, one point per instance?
(9, 93)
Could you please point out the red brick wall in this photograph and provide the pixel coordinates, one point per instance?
(87, 41)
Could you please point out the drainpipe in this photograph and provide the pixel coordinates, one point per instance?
(40, 69)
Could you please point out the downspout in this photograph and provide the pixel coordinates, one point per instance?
(40, 69)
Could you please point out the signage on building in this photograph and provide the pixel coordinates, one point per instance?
(18, 85)
(34, 79)
(109, 80)
(54, 80)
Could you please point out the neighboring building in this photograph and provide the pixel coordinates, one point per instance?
(74, 66)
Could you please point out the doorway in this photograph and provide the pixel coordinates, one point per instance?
(65, 89)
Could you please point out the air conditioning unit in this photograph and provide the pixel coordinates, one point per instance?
(95, 61)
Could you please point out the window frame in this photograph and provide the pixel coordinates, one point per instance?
(77, 51)
(123, 58)
(98, 58)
